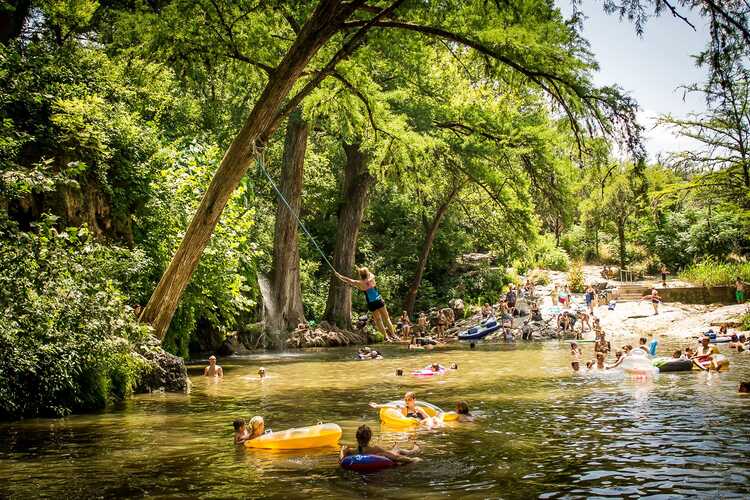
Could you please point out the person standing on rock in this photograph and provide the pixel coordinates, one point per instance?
(664, 272)
(375, 303)
(213, 370)
(554, 294)
(739, 293)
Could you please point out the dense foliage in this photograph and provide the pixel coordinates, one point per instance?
(66, 335)
(476, 126)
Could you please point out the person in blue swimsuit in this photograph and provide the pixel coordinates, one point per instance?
(375, 303)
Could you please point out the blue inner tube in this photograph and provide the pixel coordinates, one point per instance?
(366, 463)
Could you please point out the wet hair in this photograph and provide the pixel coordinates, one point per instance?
(744, 387)
(256, 422)
(627, 348)
(364, 273)
(364, 435)
(238, 424)
(462, 408)
(410, 395)
(399, 372)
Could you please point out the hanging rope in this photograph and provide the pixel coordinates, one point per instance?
(259, 160)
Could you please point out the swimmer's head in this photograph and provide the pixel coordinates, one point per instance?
(677, 353)
(574, 345)
(410, 398)
(212, 360)
(643, 340)
(261, 372)
(462, 408)
(589, 364)
(257, 425)
(239, 424)
(364, 435)
(575, 365)
(435, 367)
(744, 387)
(454, 366)
(364, 273)
(399, 372)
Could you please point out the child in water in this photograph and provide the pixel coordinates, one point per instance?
(240, 431)
(576, 354)
(462, 408)
(257, 427)
(364, 435)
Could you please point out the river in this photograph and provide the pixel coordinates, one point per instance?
(541, 432)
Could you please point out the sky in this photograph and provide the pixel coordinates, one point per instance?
(650, 68)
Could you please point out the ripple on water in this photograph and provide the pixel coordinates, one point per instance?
(541, 432)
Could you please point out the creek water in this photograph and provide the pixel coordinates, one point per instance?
(541, 431)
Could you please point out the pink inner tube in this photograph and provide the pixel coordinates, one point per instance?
(426, 372)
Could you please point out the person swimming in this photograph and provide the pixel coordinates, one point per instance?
(213, 370)
(240, 431)
(261, 373)
(257, 427)
(364, 436)
(462, 408)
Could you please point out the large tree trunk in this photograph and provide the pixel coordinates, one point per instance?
(263, 119)
(287, 312)
(621, 239)
(354, 196)
(12, 18)
(429, 239)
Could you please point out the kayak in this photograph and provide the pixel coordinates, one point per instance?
(393, 416)
(314, 436)
(366, 463)
(479, 332)
(672, 364)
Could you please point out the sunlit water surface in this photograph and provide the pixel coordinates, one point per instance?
(541, 433)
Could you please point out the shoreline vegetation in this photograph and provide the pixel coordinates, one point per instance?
(156, 203)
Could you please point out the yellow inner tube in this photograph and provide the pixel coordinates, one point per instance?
(395, 417)
(315, 436)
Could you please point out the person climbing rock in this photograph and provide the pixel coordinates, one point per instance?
(375, 303)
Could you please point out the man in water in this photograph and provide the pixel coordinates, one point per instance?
(213, 370)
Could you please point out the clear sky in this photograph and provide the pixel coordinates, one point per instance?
(650, 68)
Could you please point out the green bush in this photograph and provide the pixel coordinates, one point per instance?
(575, 277)
(555, 260)
(710, 272)
(66, 335)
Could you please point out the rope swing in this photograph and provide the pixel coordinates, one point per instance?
(260, 161)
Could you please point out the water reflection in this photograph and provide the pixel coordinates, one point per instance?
(541, 432)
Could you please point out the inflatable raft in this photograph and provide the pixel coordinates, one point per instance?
(672, 364)
(638, 364)
(427, 372)
(479, 332)
(314, 436)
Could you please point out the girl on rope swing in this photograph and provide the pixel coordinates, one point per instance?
(375, 303)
